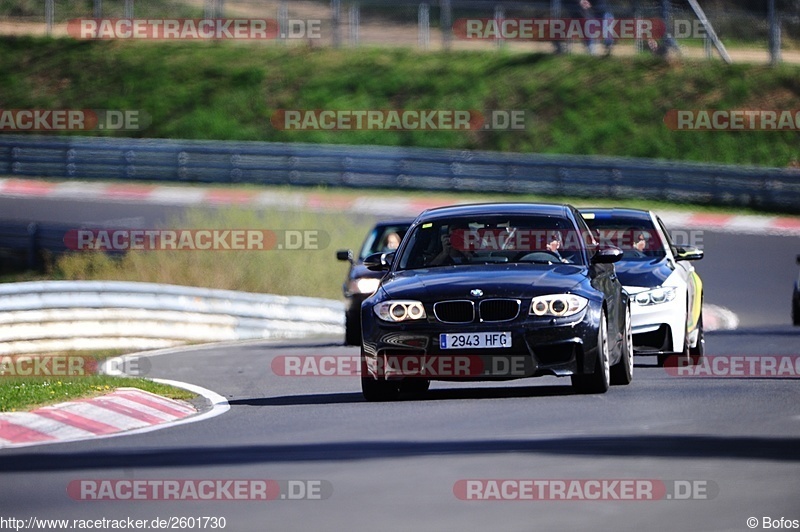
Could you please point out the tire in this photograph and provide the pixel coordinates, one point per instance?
(677, 360)
(600, 380)
(795, 314)
(622, 371)
(375, 390)
(415, 385)
(379, 390)
(352, 329)
(699, 350)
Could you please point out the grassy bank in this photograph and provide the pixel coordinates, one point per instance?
(312, 272)
(20, 393)
(575, 104)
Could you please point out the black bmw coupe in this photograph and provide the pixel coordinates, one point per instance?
(495, 292)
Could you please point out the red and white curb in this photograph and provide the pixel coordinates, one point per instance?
(379, 205)
(125, 411)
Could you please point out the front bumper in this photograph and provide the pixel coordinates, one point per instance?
(659, 328)
(539, 346)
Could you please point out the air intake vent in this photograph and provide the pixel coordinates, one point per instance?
(499, 309)
(455, 311)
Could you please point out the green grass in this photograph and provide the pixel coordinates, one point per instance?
(576, 104)
(19, 393)
(311, 272)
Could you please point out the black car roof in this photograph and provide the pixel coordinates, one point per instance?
(394, 221)
(546, 209)
(614, 212)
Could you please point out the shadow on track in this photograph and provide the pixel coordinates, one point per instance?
(651, 446)
(432, 395)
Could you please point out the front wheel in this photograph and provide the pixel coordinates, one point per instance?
(376, 390)
(622, 371)
(600, 380)
(352, 328)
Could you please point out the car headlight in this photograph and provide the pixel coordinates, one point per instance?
(557, 305)
(655, 296)
(364, 286)
(397, 311)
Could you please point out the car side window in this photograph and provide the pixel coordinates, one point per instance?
(667, 236)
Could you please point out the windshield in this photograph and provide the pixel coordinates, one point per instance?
(637, 238)
(493, 239)
(383, 238)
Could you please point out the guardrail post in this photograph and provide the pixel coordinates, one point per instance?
(446, 13)
(354, 20)
(499, 15)
(98, 8)
(774, 35)
(424, 26)
(49, 15)
(283, 21)
(33, 245)
(336, 11)
(129, 9)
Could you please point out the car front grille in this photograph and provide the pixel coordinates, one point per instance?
(499, 309)
(454, 311)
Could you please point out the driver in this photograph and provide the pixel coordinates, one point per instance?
(451, 254)
(554, 241)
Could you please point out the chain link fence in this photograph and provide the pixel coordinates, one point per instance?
(746, 35)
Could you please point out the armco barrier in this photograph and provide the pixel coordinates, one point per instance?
(46, 316)
(397, 168)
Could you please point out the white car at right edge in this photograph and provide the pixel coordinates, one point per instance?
(665, 290)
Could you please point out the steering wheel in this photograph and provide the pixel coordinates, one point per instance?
(543, 255)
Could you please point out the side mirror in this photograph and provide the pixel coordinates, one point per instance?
(607, 255)
(344, 254)
(379, 261)
(689, 253)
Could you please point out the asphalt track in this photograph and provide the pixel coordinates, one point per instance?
(394, 466)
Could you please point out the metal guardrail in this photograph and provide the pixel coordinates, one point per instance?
(25, 243)
(398, 168)
(45, 316)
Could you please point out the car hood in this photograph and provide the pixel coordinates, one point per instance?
(651, 273)
(456, 282)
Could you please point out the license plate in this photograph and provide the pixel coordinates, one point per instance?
(480, 340)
